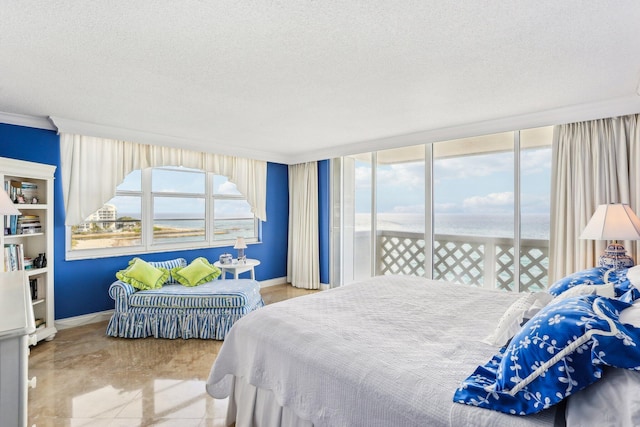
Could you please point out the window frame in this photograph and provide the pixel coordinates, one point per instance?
(344, 206)
(146, 218)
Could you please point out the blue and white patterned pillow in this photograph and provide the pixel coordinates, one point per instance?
(168, 264)
(596, 276)
(558, 352)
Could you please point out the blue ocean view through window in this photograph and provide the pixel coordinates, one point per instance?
(533, 226)
(225, 229)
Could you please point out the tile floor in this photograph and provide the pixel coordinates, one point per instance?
(85, 378)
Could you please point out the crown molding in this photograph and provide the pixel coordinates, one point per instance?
(576, 113)
(570, 114)
(141, 137)
(28, 121)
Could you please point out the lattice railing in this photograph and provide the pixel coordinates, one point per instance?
(458, 262)
(403, 253)
(463, 259)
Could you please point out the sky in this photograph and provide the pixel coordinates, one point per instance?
(478, 184)
(470, 185)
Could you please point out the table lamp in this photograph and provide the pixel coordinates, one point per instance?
(240, 246)
(613, 222)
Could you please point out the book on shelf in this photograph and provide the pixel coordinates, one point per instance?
(13, 224)
(14, 188)
(13, 257)
(22, 224)
(33, 286)
(21, 191)
(28, 224)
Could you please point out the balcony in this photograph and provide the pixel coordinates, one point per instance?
(479, 261)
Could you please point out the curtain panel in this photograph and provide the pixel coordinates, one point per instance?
(93, 167)
(594, 162)
(303, 255)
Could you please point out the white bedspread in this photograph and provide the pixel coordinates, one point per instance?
(386, 352)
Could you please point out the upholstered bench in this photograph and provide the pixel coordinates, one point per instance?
(174, 311)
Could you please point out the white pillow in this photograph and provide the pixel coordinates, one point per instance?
(633, 274)
(631, 315)
(606, 290)
(524, 307)
(611, 401)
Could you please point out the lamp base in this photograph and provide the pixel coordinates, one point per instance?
(242, 258)
(615, 257)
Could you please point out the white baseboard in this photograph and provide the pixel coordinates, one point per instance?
(283, 281)
(72, 322)
(273, 282)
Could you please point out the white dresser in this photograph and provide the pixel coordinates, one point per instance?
(16, 323)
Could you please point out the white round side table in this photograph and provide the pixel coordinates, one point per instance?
(237, 268)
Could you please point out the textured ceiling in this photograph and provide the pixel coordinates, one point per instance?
(298, 80)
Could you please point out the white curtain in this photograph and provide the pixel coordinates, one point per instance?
(594, 163)
(92, 167)
(303, 262)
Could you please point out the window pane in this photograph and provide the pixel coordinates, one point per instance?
(233, 218)
(178, 219)
(535, 184)
(171, 180)
(473, 197)
(356, 222)
(117, 224)
(131, 182)
(222, 186)
(400, 191)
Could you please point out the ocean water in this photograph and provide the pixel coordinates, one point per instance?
(224, 228)
(533, 226)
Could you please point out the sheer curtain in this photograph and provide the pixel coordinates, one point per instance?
(92, 167)
(303, 262)
(594, 163)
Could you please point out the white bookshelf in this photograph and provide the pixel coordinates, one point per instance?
(33, 244)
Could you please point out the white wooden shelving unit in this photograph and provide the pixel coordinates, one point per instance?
(36, 243)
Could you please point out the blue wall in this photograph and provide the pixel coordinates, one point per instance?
(81, 286)
(324, 177)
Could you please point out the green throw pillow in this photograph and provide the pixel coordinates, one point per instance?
(198, 272)
(142, 275)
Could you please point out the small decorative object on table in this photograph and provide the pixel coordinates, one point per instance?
(226, 259)
(241, 246)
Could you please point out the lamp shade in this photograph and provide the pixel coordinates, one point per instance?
(612, 222)
(6, 205)
(240, 244)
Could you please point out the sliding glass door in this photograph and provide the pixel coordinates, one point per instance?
(474, 205)
(473, 211)
(535, 207)
(400, 211)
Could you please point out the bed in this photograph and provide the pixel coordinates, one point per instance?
(389, 351)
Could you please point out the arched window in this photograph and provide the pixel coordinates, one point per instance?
(165, 208)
